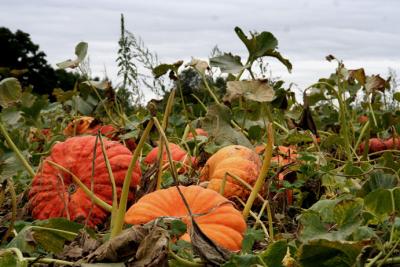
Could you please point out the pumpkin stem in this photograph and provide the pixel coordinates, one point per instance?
(17, 152)
(263, 173)
(119, 221)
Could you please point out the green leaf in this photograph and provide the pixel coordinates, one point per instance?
(11, 115)
(261, 45)
(377, 180)
(49, 234)
(81, 51)
(255, 90)
(379, 203)
(178, 228)
(162, 69)
(326, 253)
(10, 92)
(242, 260)
(217, 124)
(9, 259)
(228, 63)
(258, 44)
(250, 237)
(275, 253)
(346, 211)
(81, 105)
(396, 96)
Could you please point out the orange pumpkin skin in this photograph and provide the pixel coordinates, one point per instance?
(177, 153)
(215, 215)
(236, 160)
(53, 192)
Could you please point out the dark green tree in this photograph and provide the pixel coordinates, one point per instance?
(21, 58)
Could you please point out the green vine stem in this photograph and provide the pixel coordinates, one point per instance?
(21, 261)
(98, 201)
(17, 152)
(362, 133)
(263, 173)
(209, 89)
(344, 127)
(184, 262)
(119, 221)
(112, 180)
(160, 154)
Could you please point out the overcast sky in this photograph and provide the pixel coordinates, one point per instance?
(364, 33)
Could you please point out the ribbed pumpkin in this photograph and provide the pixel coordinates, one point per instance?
(177, 153)
(215, 215)
(53, 192)
(236, 160)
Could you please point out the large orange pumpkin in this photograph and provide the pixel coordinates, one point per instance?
(236, 160)
(214, 214)
(53, 192)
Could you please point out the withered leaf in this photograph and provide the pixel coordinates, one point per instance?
(255, 90)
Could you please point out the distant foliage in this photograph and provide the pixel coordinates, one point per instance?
(21, 58)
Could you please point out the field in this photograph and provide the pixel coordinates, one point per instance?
(226, 168)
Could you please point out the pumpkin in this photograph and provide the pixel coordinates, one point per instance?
(177, 153)
(198, 131)
(236, 160)
(214, 214)
(89, 125)
(53, 192)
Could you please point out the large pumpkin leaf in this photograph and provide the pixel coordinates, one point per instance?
(217, 123)
(80, 52)
(255, 90)
(377, 180)
(261, 45)
(275, 253)
(228, 63)
(10, 92)
(379, 202)
(343, 213)
(326, 253)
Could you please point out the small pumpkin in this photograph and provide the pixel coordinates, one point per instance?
(53, 192)
(236, 160)
(214, 214)
(198, 131)
(177, 153)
